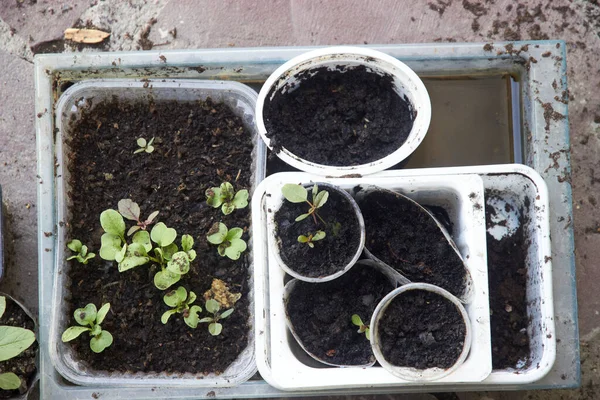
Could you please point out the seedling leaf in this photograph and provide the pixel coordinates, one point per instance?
(101, 342)
(215, 328)
(166, 315)
(235, 249)
(294, 193)
(217, 233)
(234, 233)
(179, 263)
(102, 313)
(2, 305)
(143, 238)
(226, 313)
(241, 199)
(321, 199)
(9, 381)
(162, 235)
(129, 209)
(302, 217)
(187, 242)
(212, 306)
(112, 222)
(14, 340)
(165, 279)
(75, 245)
(192, 319)
(87, 315)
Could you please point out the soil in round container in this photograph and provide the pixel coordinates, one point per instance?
(321, 314)
(339, 117)
(402, 235)
(197, 145)
(421, 329)
(508, 293)
(330, 254)
(22, 365)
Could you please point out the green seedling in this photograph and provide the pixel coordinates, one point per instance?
(13, 341)
(82, 252)
(362, 328)
(180, 302)
(318, 235)
(158, 247)
(213, 307)
(90, 319)
(144, 146)
(226, 198)
(298, 194)
(131, 210)
(229, 241)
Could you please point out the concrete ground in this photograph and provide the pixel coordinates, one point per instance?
(30, 26)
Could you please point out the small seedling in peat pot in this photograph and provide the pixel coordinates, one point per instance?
(362, 328)
(180, 302)
(90, 319)
(13, 341)
(226, 198)
(144, 146)
(229, 241)
(310, 238)
(131, 210)
(213, 307)
(298, 194)
(82, 251)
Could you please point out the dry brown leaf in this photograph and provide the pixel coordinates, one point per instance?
(85, 35)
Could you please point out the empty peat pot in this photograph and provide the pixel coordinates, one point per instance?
(407, 237)
(420, 332)
(320, 315)
(343, 110)
(323, 245)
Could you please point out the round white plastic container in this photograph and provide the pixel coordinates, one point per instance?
(276, 243)
(409, 373)
(406, 83)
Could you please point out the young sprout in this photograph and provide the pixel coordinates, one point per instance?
(82, 252)
(213, 307)
(362, 328)
(144, 146)
(298, 194)
(13, 341)
(180, 302)
(90, 319)
(229, 241)
(225, 197)
(318, 235)
(131, 210)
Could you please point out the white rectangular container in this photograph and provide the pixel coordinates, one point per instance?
(280, 360)
(515, 183)
(241, 99)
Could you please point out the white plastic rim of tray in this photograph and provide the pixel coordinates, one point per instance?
(276, 362)
(241, 99)
(406, 82)
(521, 181)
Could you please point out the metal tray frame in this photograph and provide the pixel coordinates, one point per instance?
(545, 148)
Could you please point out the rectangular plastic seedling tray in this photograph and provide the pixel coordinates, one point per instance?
(534, 138)
(279, 359)
(241, 100)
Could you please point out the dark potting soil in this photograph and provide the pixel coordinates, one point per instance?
(22, 365)
(507, 275)
(348, 117)
(403, 236)
(321, 314)
(422, 330)
(330, 254)
(198, 145)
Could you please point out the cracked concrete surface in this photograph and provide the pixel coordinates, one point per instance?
(164, 24)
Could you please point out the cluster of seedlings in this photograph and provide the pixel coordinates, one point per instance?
(139, 245)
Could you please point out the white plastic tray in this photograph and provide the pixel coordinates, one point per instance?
(278, 359)
(518, 182)
(241, 99)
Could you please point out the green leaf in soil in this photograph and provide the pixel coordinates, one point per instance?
(179, 263)
(165, 279)
(101, 342)
(192, 319)
(217, 233)
(112, 222)
(226, 313)
(129, 209)
(162, 235)
(110, 246)
(2, 305)
(321, 199)
(235, 249)
(214, 197)
(102, 313)
(227, 208)
(74, 245)
(14, 340)
(187, 242)
(143, 238)
(234, 233)
(215, 328)
(212, 306)
(294, 193)
(73, 332)
(166, 315)
(241, 199)
(86, 315)
(9, 381)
